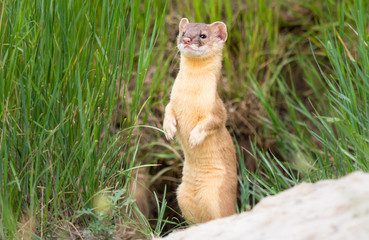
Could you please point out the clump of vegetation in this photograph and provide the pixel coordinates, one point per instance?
(83, 87)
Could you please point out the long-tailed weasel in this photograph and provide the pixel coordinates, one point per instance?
(197, 115)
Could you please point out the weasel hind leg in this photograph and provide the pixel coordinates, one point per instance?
(217, 200)
(213, 199)
(187, 204)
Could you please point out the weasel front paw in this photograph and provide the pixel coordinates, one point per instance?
(197, 136)
(169, 127)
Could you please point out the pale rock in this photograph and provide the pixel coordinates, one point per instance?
(329, 209)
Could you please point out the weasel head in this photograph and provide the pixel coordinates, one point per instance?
(200, 40)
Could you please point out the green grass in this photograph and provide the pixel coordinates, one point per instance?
(329, 140)
(62, 64)
(79, 78)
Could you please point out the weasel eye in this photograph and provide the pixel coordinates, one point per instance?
(183, 34)
(203, 36)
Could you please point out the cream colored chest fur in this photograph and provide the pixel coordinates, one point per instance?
(193, 98)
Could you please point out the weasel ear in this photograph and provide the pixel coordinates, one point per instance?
(183, 23)
(220, 30)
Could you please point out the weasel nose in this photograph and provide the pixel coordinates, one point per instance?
(186, 40)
